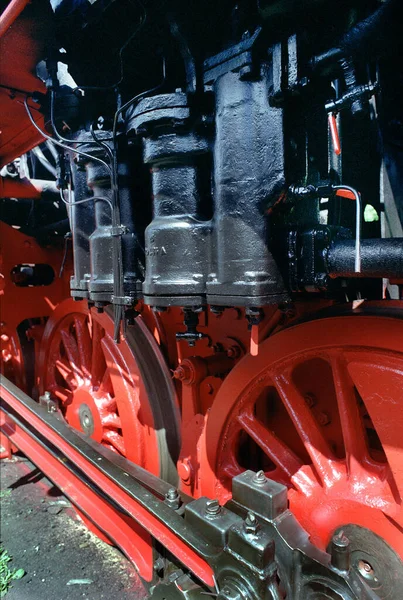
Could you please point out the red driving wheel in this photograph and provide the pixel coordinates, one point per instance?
(121, 395)
(118, 394)
(320, 409)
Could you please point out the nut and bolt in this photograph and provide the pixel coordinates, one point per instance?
(213, 507)
(340, 552)
(310, 400)
(172, 498)
(324, 418)
(260, 478)
(251, 524)
(159, 565)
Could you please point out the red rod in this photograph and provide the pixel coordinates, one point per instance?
(334, 132)
(148, 521)
(9, 15)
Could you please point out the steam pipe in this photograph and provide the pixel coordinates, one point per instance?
(379, 258)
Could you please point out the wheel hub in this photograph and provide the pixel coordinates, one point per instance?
(86, 419)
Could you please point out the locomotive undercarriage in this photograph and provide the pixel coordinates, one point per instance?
(206, 356)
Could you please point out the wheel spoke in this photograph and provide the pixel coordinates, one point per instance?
(380, 386)
(111, 420)
(122, 382)
(351, 422)
(97, 358)
(65, 370)
(115, 439)
(308, 429)
(106, 404)
(62, 394)
(71, 351)
(276, 450)
(105, 387)
(83, 344)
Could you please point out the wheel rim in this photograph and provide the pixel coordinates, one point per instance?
(103, 388)
(319, 409)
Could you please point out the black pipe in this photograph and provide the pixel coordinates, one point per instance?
(379, 258)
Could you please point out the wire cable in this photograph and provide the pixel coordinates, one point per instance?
(61, 144)
(91, 199)
(121, 50)
(53, 123)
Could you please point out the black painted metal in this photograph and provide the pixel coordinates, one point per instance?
(82, 224)
(101, 241)
(94, 231)
(177, 239)
(248, 176)
(379, 258)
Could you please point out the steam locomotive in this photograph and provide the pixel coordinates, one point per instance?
(201, 285)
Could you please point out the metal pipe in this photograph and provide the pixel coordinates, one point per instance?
(382, 258)
(10, 14)
(358, 216)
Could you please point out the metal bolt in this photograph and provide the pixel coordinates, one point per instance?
(171, 494)
(179, 373)
(213, 507)
(251, 523)
(324, 418)
(310, 400)
(366, 570)
(159, 564)
(172, 498)
(47, 396)
(185, 470)
(234, 352)
(260, 478)
(340, 552)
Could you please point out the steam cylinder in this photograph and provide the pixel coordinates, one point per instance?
(176, 241)
(100, 243)
(248, 177)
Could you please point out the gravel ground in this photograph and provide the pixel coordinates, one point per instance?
(61, 558)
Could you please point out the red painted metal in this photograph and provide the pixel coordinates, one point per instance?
(125, 533)
(12, 11)
(80, 364)
(22, 46)
(94, 507)
(25, 188)
(334, 133)
(25, 304)
(318, 409)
